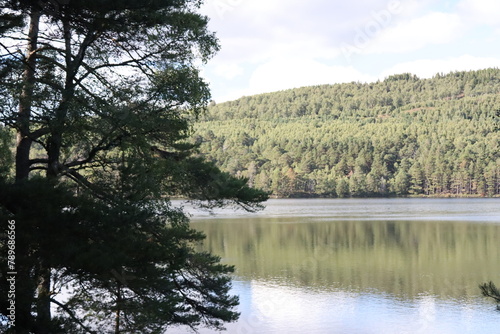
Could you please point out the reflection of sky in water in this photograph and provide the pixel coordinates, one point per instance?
(286, 304)
(270, 308)
(475, 209)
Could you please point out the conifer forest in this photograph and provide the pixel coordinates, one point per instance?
(402, 136)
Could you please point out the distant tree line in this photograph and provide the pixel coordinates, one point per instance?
(398, 137)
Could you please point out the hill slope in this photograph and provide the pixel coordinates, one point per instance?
(400, 136)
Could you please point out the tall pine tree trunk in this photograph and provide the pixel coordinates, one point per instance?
(26, 101)
(22, 165)
(23, 148)
(54, 144)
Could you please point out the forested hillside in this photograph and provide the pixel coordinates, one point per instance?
(401, 136)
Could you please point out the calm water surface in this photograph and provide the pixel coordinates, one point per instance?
(360, 265)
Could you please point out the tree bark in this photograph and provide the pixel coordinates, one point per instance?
(44, 317)
(24, 139)
(23, 147)
(118, 310)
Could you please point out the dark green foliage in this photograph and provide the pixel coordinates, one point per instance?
(102, 104)
(203, 181)
(135, 260)
(402, 136)
(6, 157)
(491, 291)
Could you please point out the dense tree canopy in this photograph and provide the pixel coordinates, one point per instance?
(397, 137)
(101, 96)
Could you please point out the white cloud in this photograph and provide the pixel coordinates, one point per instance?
(228, 71)
(433, 28)
(427, 68)
(481, 11)
(257, 30)
(270, 45)
(285, 73)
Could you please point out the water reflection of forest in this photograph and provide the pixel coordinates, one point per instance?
(403, 258)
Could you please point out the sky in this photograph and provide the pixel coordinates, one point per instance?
(272, 45)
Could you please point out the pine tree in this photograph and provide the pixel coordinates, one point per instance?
(105, 94)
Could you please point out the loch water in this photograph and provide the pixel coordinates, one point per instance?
(361, 266)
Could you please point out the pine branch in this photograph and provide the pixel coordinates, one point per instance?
(490, 290)
(72, 316)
